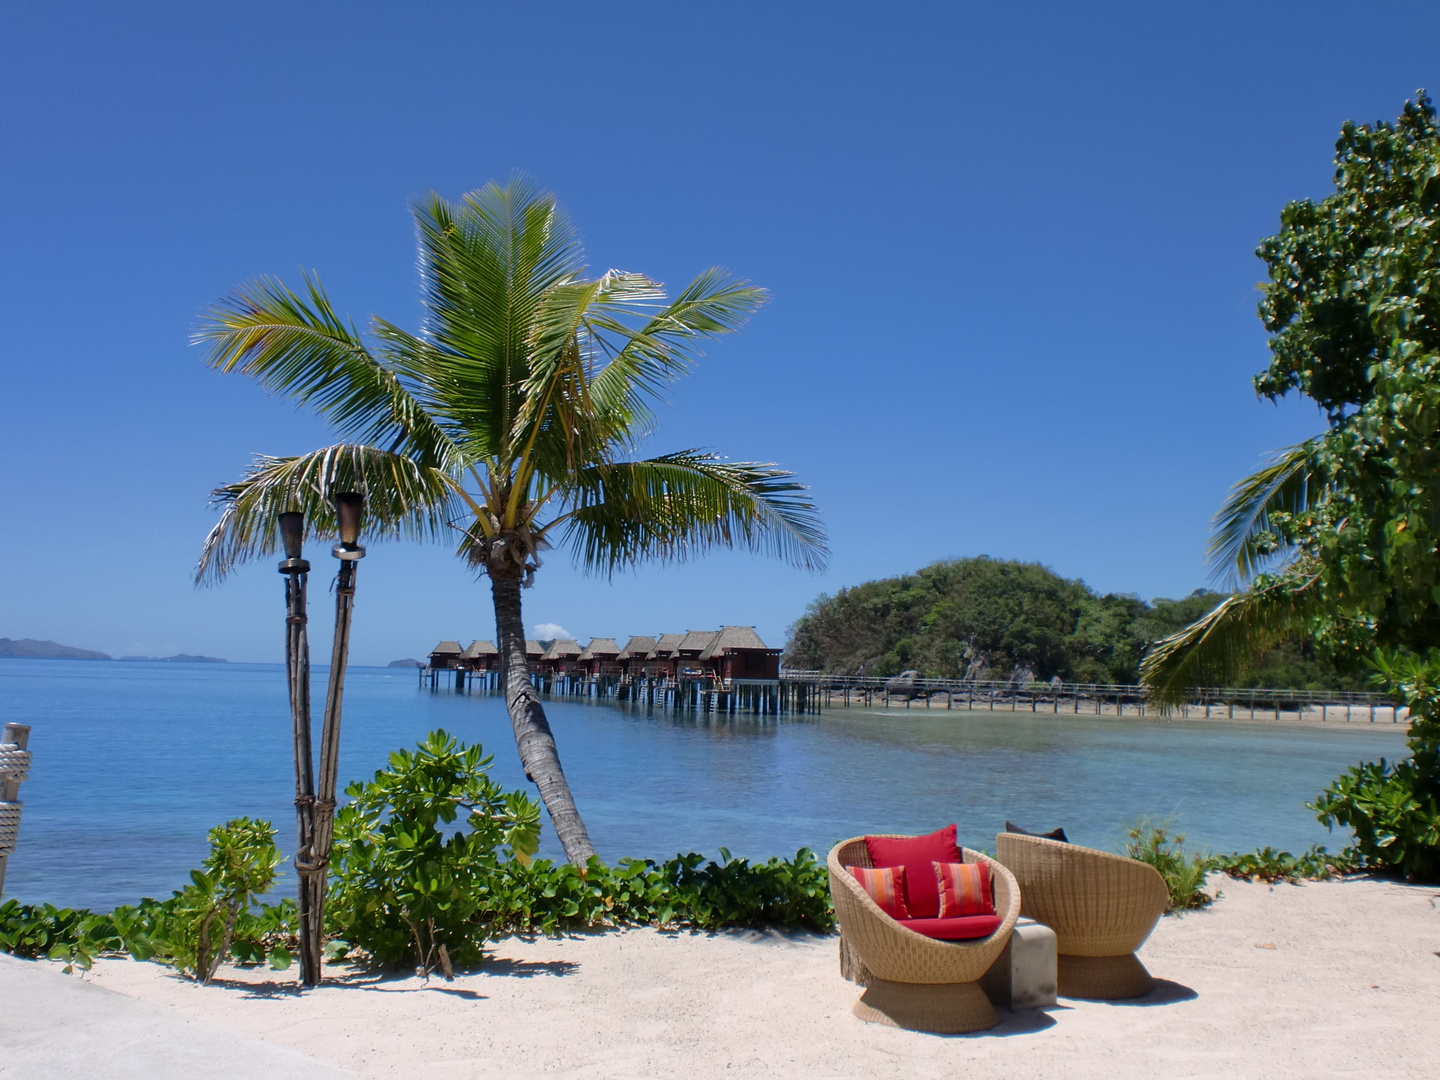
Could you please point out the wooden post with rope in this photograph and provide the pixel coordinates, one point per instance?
(14, 767)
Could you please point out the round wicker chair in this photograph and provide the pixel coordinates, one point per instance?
(1101, 906)
(912, 981)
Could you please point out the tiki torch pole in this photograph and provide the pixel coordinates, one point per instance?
(348, 507)
(297, 671)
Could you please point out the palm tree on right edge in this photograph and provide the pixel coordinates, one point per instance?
(1280, 594)
(508, 417)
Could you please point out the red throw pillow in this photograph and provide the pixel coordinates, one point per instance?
(922, 890)
(886, 887)
(964, 889)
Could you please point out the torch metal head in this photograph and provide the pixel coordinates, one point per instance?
(292, 536)
(349, 506)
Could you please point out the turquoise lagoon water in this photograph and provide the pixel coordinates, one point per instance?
(135, 761)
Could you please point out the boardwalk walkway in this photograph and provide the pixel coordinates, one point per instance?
(1096, 699)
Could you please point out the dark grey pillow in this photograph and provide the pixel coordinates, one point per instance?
(1053, 834)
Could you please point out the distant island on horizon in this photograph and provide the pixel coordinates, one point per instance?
(180, 658)
(33, 649)
(405, 663)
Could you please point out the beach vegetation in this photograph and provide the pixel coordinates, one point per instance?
(510, 423)
(1269, 865)
(1338, 538)
(201, 917)
(1156, 844)
(408, 886)
(218, 915)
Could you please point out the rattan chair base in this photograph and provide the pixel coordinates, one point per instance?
(1102, 978)
(851, 966)
(935, 1008)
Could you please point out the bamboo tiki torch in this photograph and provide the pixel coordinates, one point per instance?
(348, 508)
(297, 671)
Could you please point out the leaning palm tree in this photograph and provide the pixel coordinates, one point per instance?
(509, 422)
(1280, 586)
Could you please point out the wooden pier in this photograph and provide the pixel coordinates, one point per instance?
(791, 691)
(699, 693)
(1097, 699)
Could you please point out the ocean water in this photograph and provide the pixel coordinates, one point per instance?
(135, 761)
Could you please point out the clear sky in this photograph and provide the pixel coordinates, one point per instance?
(1010, 249)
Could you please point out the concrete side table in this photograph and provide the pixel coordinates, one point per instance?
(1024, 975)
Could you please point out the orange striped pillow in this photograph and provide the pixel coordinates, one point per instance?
(964, 889)
(886, 887)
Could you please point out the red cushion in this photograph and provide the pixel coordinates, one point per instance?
(886, 887)
(965, 889)
(922, 889)
(962, 928)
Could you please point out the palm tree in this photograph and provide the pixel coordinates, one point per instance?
(508, 421)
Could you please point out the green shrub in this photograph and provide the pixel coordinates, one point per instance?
(197, 929)
(1394, 810)
(403, 888)
(1153, 843)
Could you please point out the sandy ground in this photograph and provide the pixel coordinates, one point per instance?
(1319, 980)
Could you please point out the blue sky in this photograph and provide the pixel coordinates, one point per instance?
(1010, 249)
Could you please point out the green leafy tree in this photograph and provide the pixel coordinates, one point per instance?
(985, 618)
(1340, 536)
(403, 886)
(506, 422)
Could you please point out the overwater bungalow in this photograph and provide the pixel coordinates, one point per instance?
(689, 658)
(562, 660)
(480, 656)
(601, 659)
(660, 664)
(446, 655)
(633, 657)
(737, 654)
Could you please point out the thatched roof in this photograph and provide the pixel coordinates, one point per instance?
(731, 638)
(563, 649)
(446, 648)
(600, 646)
(697, 641)
(665, 646)
(638, 647)
(477, 649)
(534, 649)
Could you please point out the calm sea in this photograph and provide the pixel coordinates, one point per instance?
(135, 761)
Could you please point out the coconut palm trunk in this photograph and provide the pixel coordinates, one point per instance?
(533, 737)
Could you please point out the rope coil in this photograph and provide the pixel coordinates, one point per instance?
(9, 826)
(14, 763)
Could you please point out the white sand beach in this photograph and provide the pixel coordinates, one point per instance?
(1333, 979)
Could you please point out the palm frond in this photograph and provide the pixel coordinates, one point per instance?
(402, 498)
(659, 352)
(487, 264)
(299, 347)
(1217, 650)
(672, 507)
(1239, 546)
